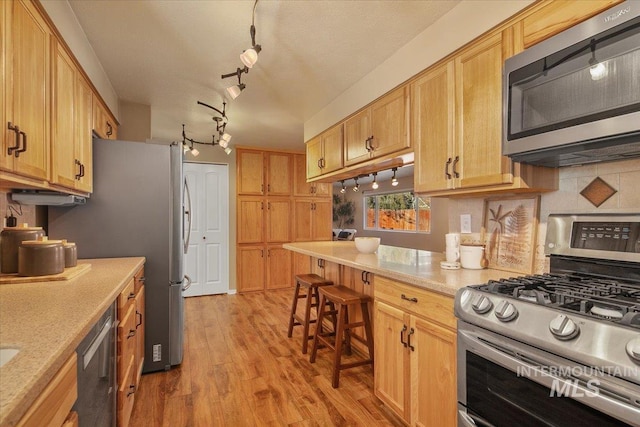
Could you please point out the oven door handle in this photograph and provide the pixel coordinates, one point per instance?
(468, 420)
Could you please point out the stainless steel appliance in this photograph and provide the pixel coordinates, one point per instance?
(96, 402)
(575, 98)
(139, 207)
(557, 349)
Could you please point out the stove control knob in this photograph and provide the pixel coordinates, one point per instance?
(505, 311)
(564, 328)
(633, 349)
(482, 305)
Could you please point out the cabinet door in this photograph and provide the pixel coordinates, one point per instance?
(250, 172)
(357, 131)
(433, 375)
(64, 166)
(140, 326)
(478, 115)
(126, 395)
(300, 186)
(314, 157)
(126, 339)
(432, 114)
(278, 220)
(390, 123)
(250, 219)
(302, 227)
(322, 219)
(332, 149)
(84, 142)
(27, 89)
(278, 174)
(251, 264)
(391, 374)
(104, 126)
(278, 268)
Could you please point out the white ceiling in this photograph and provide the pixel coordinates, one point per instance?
(171, 54)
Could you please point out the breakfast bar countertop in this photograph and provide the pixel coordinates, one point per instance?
(412, 266)
(46, 321)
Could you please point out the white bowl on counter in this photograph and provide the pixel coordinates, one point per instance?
(367, 245)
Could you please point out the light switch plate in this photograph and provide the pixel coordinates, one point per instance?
(465, 223)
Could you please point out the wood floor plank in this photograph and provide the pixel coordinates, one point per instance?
(241, 369)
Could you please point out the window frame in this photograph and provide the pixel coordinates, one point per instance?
(376, 227)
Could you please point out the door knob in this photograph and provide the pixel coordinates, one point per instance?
(204, 238)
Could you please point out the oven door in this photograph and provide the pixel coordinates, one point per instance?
(502, 382)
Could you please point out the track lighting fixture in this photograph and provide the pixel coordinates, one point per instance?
(223, 137)
(235, 90)
(374, 184)
(356, 188)
(394, 180)
(250, 56)
(343, 189)
(597, 69)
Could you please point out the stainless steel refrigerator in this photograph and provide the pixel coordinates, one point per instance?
(139, 207)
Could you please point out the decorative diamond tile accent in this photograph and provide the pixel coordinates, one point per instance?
(598, 192)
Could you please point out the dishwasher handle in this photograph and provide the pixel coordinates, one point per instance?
(96, 343)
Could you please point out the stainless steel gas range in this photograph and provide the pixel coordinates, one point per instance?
(557, 349)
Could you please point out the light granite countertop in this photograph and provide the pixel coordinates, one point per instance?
(47, 321)
(412, 266)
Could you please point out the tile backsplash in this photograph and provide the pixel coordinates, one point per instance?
(623, 176)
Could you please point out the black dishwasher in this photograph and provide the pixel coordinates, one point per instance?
(96, 403)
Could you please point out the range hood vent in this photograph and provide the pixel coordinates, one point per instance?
(47, 198)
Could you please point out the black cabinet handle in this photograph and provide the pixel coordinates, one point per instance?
(109, 129)
(447, 175)
(81, 170)
(77, 163)
(455, 163)
(404, 297)
(24, 144)
(132, 333)
(131, 296)
(15, 129)
(142, 279)
(411, 332)
(404, 329)
(139, 315)
(132, 389)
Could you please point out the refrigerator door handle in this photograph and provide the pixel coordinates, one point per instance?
(187, 283)
(187, 213)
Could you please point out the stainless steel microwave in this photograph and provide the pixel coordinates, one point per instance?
(575, 97)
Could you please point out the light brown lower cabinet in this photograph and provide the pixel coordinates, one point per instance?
(415, 353)
(53, 406)
(130, 345)
(263, 267)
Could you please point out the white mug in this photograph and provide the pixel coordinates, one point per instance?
(471, 256)
(452, 254)
(452, 240)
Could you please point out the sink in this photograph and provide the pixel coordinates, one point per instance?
(7, 354)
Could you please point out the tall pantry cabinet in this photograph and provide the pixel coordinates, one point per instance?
(272, 194)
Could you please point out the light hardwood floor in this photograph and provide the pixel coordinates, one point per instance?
(240, 369)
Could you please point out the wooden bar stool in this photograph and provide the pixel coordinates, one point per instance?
(342, 297)
(306, 287)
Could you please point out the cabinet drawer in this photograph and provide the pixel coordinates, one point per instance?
(138, 280)
(126, 296)
(126, 394)
(126, 340)
(421, 302)
(52, 407)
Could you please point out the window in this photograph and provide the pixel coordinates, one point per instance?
(397, 211)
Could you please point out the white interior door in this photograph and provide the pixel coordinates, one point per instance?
(207, 259)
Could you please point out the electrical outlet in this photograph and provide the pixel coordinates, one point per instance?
(157, 352)
(465, 223)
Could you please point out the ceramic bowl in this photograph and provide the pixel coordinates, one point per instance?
(367, 245)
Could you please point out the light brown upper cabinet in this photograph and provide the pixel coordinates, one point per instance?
(457, 125)
(104, 125)
(303, 188)
(378, 130)
(324, 152)
(26, 56)
(71, 165)
(264, 173)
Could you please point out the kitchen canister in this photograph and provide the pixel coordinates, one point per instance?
(70, 254)
(40, 257)
(472, 257)
(10, 240)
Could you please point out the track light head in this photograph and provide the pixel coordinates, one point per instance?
(343, 189)
(356, 188)
(250, 56)
(228, 150)
(394, 180)
(235, 90)
(374, 184)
